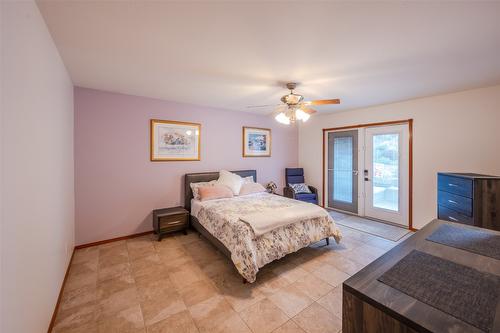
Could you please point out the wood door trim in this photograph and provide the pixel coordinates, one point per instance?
(410, 159)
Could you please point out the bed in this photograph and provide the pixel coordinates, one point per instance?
(219, 222)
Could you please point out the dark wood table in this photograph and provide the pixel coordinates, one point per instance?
(371, 306)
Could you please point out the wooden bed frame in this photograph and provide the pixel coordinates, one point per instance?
(193, 221)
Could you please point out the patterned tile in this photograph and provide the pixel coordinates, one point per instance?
(333, 301)
(291, 300)
(289, 327)
(331, 275)
(263, 316)
(184, 285)
(315, 319)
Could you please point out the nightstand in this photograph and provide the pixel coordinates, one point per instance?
(168, 220)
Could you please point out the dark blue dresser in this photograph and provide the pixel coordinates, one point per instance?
(469, 198)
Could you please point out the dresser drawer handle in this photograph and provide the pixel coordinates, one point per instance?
(452, 218)
(451, 201)
(452, 185)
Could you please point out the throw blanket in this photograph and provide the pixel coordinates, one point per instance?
(263, 222)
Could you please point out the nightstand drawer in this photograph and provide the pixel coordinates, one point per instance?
(458, 203)
(460, 186)
(172, 222)
(448, 214)
(167, 220)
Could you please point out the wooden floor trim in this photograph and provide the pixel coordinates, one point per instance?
(82, 246)
(54, 314)
(410, 159)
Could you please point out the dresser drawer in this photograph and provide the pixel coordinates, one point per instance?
(456, 202)
(460, 186)
(448, 214)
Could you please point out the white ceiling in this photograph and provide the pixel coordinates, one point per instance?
(235, 54)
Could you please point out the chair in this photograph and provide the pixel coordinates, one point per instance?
(295, 176)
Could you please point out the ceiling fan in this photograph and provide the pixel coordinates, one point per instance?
(294, 107)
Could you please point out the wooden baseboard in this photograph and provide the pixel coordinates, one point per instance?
(53, 319)
(113, 240)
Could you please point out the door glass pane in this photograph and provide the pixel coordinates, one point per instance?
(342, 169)
(386, 171)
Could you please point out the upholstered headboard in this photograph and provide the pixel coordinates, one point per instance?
(206, 177)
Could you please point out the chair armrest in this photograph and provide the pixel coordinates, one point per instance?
(288, 192)
(313, 189)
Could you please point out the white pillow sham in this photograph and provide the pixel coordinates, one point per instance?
(250, 188)
(231, 180)
(248, 179)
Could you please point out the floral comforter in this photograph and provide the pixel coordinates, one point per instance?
(248, 252)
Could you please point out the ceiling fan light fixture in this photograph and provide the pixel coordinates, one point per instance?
(301, 115)
(282, 118)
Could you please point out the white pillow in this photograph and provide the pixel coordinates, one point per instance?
(231, 180)
(195, 186)
(248, 179)
(250, 188)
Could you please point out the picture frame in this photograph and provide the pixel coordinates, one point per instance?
(256, 142)
(174, 140)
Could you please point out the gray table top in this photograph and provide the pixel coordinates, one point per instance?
(410, 311)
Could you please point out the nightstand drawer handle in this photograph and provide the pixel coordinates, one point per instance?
(174, 222)
(452, 218)
(452, 185)
(451, 201)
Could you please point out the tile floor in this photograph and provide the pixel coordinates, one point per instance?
(182, 284)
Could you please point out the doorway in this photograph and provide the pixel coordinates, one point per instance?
(368, 171)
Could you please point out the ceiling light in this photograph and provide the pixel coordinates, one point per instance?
(301, 115)
(282, 118)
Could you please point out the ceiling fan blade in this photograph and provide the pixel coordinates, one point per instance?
(262, 106)
(309, 110)
(323, 101)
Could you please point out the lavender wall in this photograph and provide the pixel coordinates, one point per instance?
(116, 185)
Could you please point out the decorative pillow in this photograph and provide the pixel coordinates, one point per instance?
(300, 188)
(214, 192)
(231, 180)
(196, 186)
(248, 179)
(249, 188)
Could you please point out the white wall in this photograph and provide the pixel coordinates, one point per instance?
(453, 132)
(37, 234)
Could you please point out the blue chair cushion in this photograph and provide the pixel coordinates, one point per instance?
(294, 175)
(305, 196)
(294, 171)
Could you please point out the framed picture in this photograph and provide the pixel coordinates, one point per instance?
(256, 142)
(175, 141)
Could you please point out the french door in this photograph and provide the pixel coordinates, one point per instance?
(386, 173)
(380, 189)
(343, 170)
